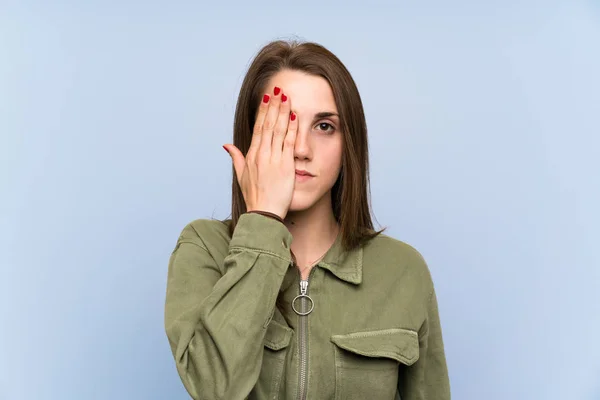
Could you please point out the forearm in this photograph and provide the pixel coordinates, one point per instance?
(217, 337)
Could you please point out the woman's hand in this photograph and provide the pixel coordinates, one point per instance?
(267, 174)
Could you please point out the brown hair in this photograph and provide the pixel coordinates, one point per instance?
(350, 193)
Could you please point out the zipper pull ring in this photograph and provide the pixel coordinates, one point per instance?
(303, 294)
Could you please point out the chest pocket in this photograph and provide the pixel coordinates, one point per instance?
(277, 340)
(366, 363)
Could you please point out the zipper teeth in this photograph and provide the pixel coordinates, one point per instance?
(303, 352)
(303, 344)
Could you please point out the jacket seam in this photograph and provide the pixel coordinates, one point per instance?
(382, 332)
(261, 251)
(390, 354)
(203, 245)
(188, 241)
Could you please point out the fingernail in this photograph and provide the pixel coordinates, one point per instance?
(276, 90)
(283, 97)
(293, 117)
(266, 98)
(226, 149)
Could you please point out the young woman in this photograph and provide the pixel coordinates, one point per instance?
(297, 296)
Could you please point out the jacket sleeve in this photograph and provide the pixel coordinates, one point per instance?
(216, 322)
(427, 379)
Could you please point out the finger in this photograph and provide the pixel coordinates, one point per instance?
(269, 124)
(290, 138)
(258, 125)
(239, 163)
(281, 127)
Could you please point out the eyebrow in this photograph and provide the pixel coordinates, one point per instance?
(325, 114)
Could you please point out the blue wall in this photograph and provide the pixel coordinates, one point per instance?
(484, 123)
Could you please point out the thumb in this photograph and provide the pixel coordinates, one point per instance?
(238, 159)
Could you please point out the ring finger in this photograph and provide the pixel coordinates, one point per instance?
(269, 124)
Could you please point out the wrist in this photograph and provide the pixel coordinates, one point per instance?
(262, 234)
(267, 214)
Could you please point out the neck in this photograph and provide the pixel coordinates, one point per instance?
(314, 230)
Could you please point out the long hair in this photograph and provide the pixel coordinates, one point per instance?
(350, 193)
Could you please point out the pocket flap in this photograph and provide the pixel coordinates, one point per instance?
(278, 336)
(401, 345)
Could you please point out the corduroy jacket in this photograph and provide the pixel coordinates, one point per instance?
(243, 325)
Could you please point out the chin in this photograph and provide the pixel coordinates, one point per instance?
(296, 205)
(304, 201)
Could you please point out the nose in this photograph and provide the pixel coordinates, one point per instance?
(303, 148)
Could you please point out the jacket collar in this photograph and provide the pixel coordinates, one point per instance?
(346, 265)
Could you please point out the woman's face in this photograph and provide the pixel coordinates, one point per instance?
(318, 148)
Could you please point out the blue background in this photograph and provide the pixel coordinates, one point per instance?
(484, 123)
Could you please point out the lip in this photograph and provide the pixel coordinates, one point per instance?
(303, 176)
(302, 172)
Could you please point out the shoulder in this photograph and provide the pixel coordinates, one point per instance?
(207, 233)
(396, 258)
(390, 247)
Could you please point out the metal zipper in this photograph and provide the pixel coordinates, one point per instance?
(303, 327)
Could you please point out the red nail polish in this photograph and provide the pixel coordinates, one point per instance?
(226, 149)
(276, 90)
(266, 98)
(283, 97)
(293, 117)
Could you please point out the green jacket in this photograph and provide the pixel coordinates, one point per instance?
(373, 333)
